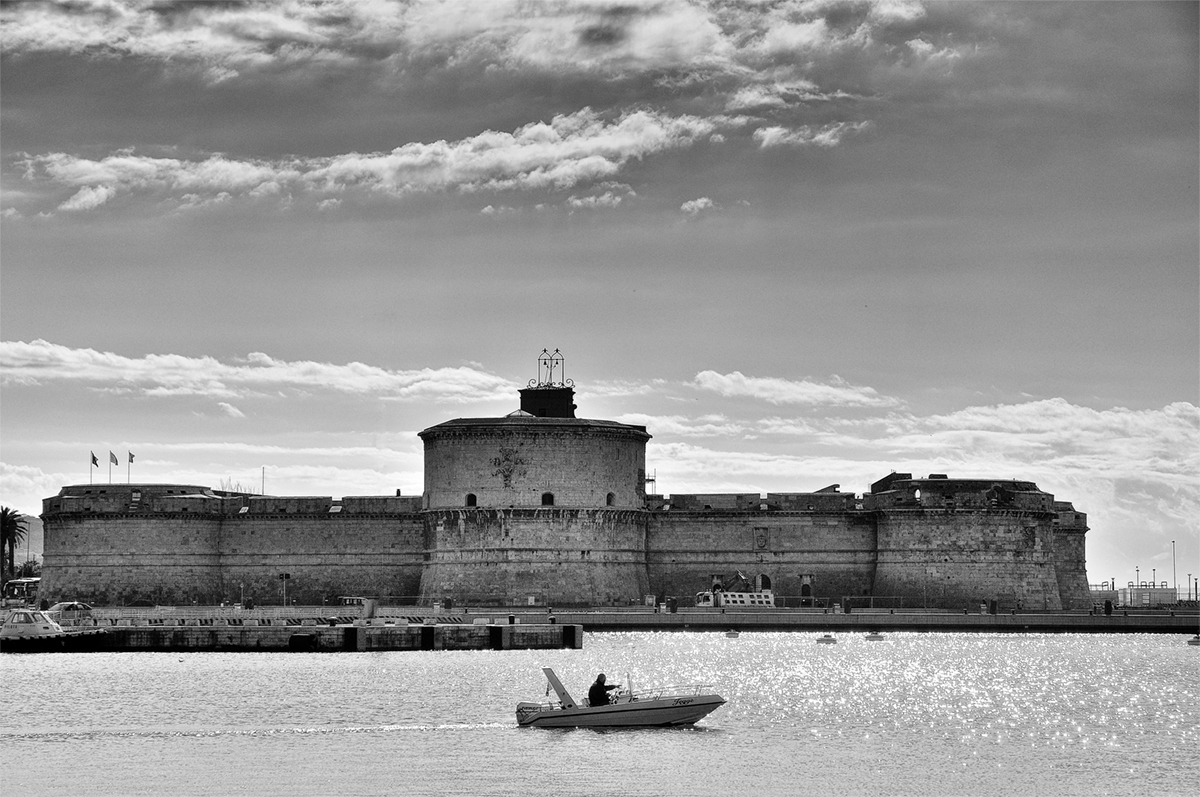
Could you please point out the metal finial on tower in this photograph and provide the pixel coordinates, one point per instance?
(548, 365)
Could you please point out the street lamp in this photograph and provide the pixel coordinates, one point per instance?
(1137, 576)
(1174, 579)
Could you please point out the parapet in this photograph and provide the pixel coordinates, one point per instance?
(694, 502)
(126, 498)
(380, 504)
(822, 501)
(940, 492)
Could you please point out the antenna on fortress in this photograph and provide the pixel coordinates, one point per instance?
(652, 483)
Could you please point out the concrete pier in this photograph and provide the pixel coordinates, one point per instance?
(316, 638)
(885, 620)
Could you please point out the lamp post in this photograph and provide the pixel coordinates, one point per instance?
(1174, 578)
(1137, 576)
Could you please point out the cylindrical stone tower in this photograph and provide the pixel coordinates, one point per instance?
(536, 507)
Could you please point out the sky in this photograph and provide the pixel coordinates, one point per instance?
(803, 242)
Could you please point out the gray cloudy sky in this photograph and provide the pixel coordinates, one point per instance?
(804, 242)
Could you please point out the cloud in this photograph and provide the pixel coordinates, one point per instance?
(826, 136)
(230, 410)
(693, 207)
(38, 362)
(88, 197)
(569, 150)
(783, 391)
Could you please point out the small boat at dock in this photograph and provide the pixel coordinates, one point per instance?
(874, 636)
(661, 707)
(30, 631)
(828, 639)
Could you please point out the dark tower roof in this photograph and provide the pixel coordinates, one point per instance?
(547, 401)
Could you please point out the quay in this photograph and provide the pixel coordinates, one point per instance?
(863, 620)
(322, 629)
(296, 629)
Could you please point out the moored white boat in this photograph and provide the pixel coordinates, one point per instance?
(31, 631)
(665, 706)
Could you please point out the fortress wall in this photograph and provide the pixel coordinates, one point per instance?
(704, 501)
(1070, 558)
(558, 556)
(685, 549)
(295, 505)
(512, 465)
(327, 555)
(814, 502)
(956, 559)
(120, 557)
(377, 504)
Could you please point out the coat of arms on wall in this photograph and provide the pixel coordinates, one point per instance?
(508, 464)
(762, 537)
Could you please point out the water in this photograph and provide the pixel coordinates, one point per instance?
(951, 714)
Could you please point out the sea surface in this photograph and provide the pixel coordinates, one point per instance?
(919, 714)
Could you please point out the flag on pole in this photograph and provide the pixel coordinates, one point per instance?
(131, 456)
(95, 462)
(113, 458)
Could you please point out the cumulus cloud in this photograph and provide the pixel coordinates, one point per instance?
(40, 362)
(693, 207)
(774, 390)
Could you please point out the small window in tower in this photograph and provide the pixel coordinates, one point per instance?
(610, 500)
(470, 499)
(547, 499)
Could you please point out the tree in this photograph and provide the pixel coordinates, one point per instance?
(12, 532)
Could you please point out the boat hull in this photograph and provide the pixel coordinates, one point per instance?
(636, 714)
(68, 642)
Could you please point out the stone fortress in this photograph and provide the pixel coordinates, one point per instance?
(540, 507)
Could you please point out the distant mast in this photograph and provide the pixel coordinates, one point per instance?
(550, 395)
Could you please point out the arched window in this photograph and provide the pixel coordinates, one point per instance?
(610, 500)
(470, 499)
(547, 499)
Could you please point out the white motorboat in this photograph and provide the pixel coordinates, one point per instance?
(31, 631)
(874, 636)
(665, 706)
(828, 639)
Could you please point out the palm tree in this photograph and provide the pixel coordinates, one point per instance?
(12, 532)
